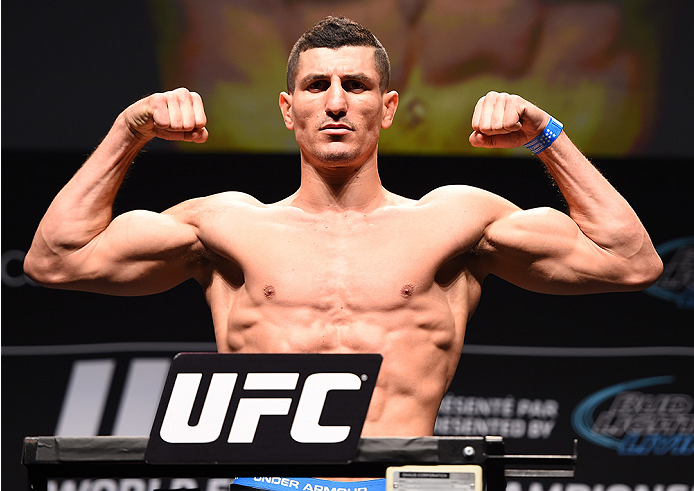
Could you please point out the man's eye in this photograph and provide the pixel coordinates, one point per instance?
(318, 85)
(354, 86)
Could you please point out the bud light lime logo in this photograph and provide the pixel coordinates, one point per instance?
(635, 422)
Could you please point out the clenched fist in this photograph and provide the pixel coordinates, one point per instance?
(502, 120)
(176, 115)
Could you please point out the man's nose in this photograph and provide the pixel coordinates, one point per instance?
(336, 103)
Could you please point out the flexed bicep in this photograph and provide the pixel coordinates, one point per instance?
(544, 250)
(78, 245)
(601, 245)
(139, 253)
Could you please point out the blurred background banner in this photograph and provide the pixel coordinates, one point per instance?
(598, 64)
(617, 72)
(615, 371)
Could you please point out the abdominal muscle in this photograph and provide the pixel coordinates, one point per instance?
(419, 338)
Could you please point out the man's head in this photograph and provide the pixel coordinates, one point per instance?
(337, 100)
(335, 33)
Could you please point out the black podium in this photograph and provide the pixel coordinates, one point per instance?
(49, 457)
(266, 415)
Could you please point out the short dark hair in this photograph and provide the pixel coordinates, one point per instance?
(334, 33)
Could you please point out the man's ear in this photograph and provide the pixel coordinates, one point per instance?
(285, 107)
(390, 102)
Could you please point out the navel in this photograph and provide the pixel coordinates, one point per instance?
(269, 291)
(407, 290)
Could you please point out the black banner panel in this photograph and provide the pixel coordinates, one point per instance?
(262, 408)
(631, 409)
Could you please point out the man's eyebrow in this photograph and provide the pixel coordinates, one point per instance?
(313, 77)
(361, 77)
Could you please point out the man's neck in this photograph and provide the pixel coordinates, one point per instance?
(340, 188)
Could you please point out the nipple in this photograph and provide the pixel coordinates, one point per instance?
(407, 290)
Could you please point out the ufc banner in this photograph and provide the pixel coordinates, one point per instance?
(280, 408)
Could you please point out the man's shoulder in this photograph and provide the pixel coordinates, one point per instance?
(231, 198)
(220, 201)
(458, 193)
(197, 211)
(477, 206)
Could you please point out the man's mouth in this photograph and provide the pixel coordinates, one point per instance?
(336, 128)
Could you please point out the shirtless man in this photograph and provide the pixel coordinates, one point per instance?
(343, 265)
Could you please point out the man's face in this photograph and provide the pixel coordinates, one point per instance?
(337, 109)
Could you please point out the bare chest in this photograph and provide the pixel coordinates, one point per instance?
(354, 285)
(371, 263)
(355, 265)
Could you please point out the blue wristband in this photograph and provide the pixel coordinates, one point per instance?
(546, 138)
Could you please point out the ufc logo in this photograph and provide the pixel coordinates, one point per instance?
(305, 428)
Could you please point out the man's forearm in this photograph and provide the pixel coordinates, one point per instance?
(83, 208)
(601, 213)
